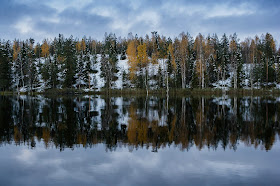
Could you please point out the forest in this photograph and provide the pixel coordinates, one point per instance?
(150, 63)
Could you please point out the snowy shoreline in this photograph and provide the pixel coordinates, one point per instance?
(160, 92)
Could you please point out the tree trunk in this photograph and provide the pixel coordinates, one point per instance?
(235, 76)
(88, 81)
(167, 82)
(223, 78)
(251, 71)
(202, 85)
(266, 72)
(21, 72)
(201, 66)
(146, 80)
(183, 75)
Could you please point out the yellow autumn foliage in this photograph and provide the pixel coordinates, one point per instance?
(45, 49)
(132, 58)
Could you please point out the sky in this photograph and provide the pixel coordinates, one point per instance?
(46, 19)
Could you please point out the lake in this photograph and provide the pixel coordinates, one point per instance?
(97, 140)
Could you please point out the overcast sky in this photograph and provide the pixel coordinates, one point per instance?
(46, 19)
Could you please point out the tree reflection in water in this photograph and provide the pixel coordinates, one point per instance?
(140, 122)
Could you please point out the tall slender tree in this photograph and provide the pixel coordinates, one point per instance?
(70, 63)
(5, 66)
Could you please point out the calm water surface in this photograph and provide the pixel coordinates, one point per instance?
(95, 140)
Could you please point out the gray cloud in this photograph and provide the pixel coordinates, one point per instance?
(43, 19)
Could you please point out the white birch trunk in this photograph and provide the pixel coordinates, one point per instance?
(202, 85)
(183, 75)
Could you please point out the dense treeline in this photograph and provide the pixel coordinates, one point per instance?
(153, 62)
(140, 122)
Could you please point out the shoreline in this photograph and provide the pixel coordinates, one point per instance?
(158, 92)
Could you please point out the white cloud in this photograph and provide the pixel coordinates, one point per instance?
(24, 25)
(225, 10)
(151, 18)
(141, 17)
(51, 19)
(175, 9)
(134, 4)
(64, 4)
(209, 11)
(146, 19)
(103, 11)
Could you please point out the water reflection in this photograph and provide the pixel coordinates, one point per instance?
(140, 122)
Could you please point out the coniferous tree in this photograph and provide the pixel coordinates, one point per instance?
(105, 69)
(216, 58)
(155, 47)
(70, 63)
(59, 45)
(224, 61)
(233, 47)
(125, 79)
(5, 66)
(80, 70)
(113, 60)
(109, 59)
(54, 82)
(160, 80)
(277, 66)
(253, 61)
(269, 52)
(23, 63)
(94, 70)
(210, 57)
(240, 73)
(45, 71)
(195, 81)
(16, 64)
(32, 73)
(88, 69)
(258, 65)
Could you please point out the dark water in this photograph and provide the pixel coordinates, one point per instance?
(139, 141)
